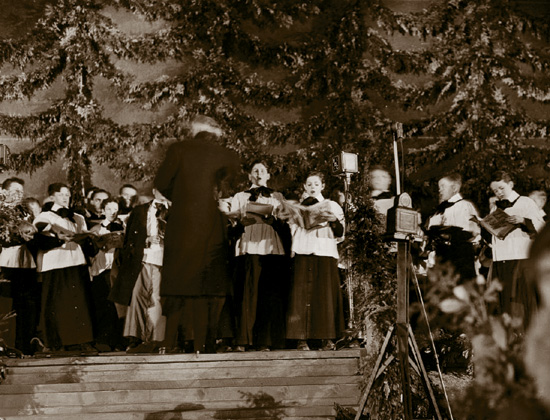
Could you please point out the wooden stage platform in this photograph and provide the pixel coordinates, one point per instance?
(115, 386)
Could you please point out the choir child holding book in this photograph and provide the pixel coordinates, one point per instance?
(453, 229)
(110, 235)
(62, 266)
(518, 296)
(261, 279)
(315, 309)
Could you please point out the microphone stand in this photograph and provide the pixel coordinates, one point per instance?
(403, 331)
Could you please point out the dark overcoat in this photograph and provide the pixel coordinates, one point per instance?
(130, 255)
(196, 249)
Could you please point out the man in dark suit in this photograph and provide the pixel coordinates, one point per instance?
(138, 281)
(195, 269)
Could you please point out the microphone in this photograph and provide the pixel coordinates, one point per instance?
(397, 129)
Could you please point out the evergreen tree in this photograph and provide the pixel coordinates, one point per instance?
(325, 66)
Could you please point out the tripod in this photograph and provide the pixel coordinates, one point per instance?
(405, 342)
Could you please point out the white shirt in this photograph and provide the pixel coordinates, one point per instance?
(67, 255)
(259, 238)
(154, 252)
(459, 215)
(17, 256)
(318, 241)
(516, 245)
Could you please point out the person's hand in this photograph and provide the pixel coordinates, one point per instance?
(516, 220)
(26, 230)
(269, 219)
(65, 236)
(328, 216)
(247, 221)
(282, 214)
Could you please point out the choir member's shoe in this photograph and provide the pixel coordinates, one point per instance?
(87, 349)
(224, 349)
(302, 345)
(43, 352)
(264, 348)
(10, 352)
(103, 348)
(143, 348)
(73, 350)
(39, 349)
(328, 345)
(239, 349)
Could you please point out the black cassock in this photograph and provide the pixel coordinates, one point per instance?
(196, 248)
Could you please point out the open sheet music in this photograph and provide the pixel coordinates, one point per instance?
(496, 223)
(307, 217)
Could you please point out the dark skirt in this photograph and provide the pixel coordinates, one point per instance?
(519, 297)
(65, 317)
(260, 298)
(25, 291)
(315, 309)
(104, 315)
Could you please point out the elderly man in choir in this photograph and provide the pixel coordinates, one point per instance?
(453, 230)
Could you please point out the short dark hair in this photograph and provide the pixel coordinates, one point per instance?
(109, 200)
(101, 191)
(501, 176)
(258, 162)
(13, 180)
(316, 173)
(27, 201)
(56, 187)
(91, 189)
(127, 186)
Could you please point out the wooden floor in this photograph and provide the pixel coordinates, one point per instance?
(252, 385)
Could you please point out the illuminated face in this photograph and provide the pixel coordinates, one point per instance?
(97, 200)
(313, 186)
(380, 180)
(127, 194)
(62, 197)
(502, 189)
(110, 211)
(15, 192)
(259, 175)
(447, 189)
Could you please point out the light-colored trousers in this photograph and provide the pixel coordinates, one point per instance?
(144, 318)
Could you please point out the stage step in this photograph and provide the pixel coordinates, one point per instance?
(115, 386)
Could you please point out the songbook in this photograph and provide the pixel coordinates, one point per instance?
(496, 223)
(307, 217)
(258, 211)
(110, 240)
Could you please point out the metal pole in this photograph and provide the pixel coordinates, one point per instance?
(351, 323)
